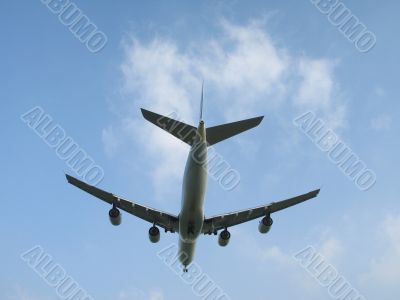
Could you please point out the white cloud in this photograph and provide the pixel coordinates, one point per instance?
(381, 122)
(19, 293)
(138, 294)
(159, 78)
(318, 90)
(110, 140)
(244, 70)
(245, 67)
(159, 75)
(379, 91)
(132, 294)
(252, 247)
(274, 253)
(384, 271)
(156, 295)
(331, 249)
(316, 85)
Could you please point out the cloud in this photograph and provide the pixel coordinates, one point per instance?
(159, 75)
(274, 253)
(19, 293)
(244, 69)
(110, 140)
(331, 249)
(132, 294)
(319, 91)
(252, 247)
(384, 271)
(381, 122)
(138, 294)
(379, 92)
(316, 83)
(156, 295)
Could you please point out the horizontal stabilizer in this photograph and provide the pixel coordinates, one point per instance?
(180, 130)
(222, 132)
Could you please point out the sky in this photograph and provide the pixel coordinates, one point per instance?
(279, 59)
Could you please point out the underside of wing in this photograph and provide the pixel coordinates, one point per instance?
(167, 221)
(215, 223)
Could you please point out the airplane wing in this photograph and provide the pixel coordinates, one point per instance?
(162, 219)
(219, 222)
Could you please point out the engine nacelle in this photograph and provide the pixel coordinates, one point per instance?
(115, 216)
(154, 234)
(265, 224)
(224, 237)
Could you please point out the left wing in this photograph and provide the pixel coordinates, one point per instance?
(219, 222)
(167, 221)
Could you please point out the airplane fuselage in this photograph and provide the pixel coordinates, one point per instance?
(194, 187)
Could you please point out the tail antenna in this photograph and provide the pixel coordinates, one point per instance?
(201, 102)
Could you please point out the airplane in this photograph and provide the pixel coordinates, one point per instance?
(191, 222)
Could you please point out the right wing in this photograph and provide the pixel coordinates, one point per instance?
(162, 219)
(219, 222)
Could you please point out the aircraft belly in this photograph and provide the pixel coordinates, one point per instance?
(194, 187)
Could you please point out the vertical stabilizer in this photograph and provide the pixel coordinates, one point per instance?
(201, 101)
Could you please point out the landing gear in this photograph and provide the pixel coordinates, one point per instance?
(185, 269)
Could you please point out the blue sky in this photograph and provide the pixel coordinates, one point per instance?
(274, 59)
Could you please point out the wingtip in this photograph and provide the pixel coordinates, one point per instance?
(72, 180)
(68, 177)
(259, 119)
(145, 113)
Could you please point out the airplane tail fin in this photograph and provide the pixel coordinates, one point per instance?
(187, 133)
(180, 130)
(222, 132)
(201, 101)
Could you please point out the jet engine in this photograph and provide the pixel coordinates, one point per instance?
(223, 238)
(154, 234)
(265, 224)
(115, 216)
